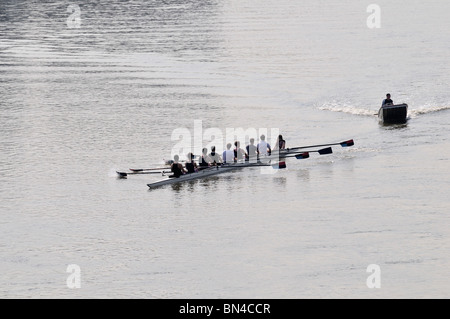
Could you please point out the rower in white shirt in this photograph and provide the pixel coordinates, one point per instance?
(264, 147)
(213, 157)
(228, 155)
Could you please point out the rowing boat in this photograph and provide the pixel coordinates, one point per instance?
(299, 152)
(275, 160)
(211, 171)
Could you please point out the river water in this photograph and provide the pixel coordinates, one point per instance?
(91, 87)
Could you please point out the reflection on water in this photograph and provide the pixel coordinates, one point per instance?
(114, 26)
(303, 174)
(393, 126)
(279, 181)
(177, 187)
(210, 183)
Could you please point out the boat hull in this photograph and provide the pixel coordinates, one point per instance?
(215, 170)
(393, 114)
(187, 177)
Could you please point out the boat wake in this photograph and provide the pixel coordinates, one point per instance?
(413, 111)
(346, 108)
(426, 109)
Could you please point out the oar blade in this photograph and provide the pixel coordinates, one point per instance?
(327, 150)
(347, 143)
(279, 165)
(122, 174)
(302, 155)
(147, 169)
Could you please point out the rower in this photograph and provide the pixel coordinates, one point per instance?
(281, 144)
(264, 147)
(228, 155)
(191, 166)
(213, 157)
(176, 168)
(252, 151)
(239, 154)
(203, 162)
(387, 101)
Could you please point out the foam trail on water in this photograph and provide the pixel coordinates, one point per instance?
(414, 112)
(112, 172)
(345, 108)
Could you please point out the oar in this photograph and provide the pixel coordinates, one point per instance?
(147, 169)
(303, 155)
(279, 165)
(168, 163)
(246, 164)
(276, 165)
(299, 155)
(123, 174)
(343, 144)
(324, 151)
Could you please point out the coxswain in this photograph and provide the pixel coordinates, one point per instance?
(281, 144)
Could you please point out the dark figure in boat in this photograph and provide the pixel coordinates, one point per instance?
(203, 161)
(392, 114)
(387, 101)
(176, 168)
(281, 143)
(191, 166)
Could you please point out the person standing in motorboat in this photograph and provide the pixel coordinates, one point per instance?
(387, 101)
